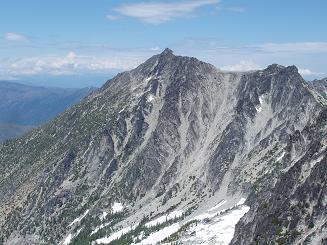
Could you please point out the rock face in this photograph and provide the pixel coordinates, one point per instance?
(174, 141)
(294, 210)
(319, 86)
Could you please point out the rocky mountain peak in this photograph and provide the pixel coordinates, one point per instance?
(292, 69)
(174, 140)
(321, 81)
(167, 51)
(274, 68)
(320, 86)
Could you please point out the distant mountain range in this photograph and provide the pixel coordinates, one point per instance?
(23, 107)
(174, 151)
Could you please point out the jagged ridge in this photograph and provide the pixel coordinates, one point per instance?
(174, 133)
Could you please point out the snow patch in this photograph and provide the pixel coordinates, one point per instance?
(79, 218)
(68, 239)
(164, 218)
(207, 215)
(259, 107)
(117, 207)
(160, 235)
(261, 99)
(212, 212)
(150, 98)
(281, 156)
(217, 206)
(103, 216)
(79, 230)
(116, 235)
(99, 228)
(140, 237)
(241, 202)
(148, 78)
(219, 230)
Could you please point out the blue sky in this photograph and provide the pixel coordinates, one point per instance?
(82, 43)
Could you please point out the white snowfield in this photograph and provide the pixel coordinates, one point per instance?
(117, 207)
(214, 227)
(219, 230)
(120, 233)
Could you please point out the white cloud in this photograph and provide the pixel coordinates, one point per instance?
(307, 72)
(68, 64)
(155, 49)
(104, 59)
(157, 13)
(11, 36)
(112, 17)
(245, 65)
(298, 47)
(302, 54)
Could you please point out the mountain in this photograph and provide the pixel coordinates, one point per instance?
(173, 150)
(320, 86)
(23, 107)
